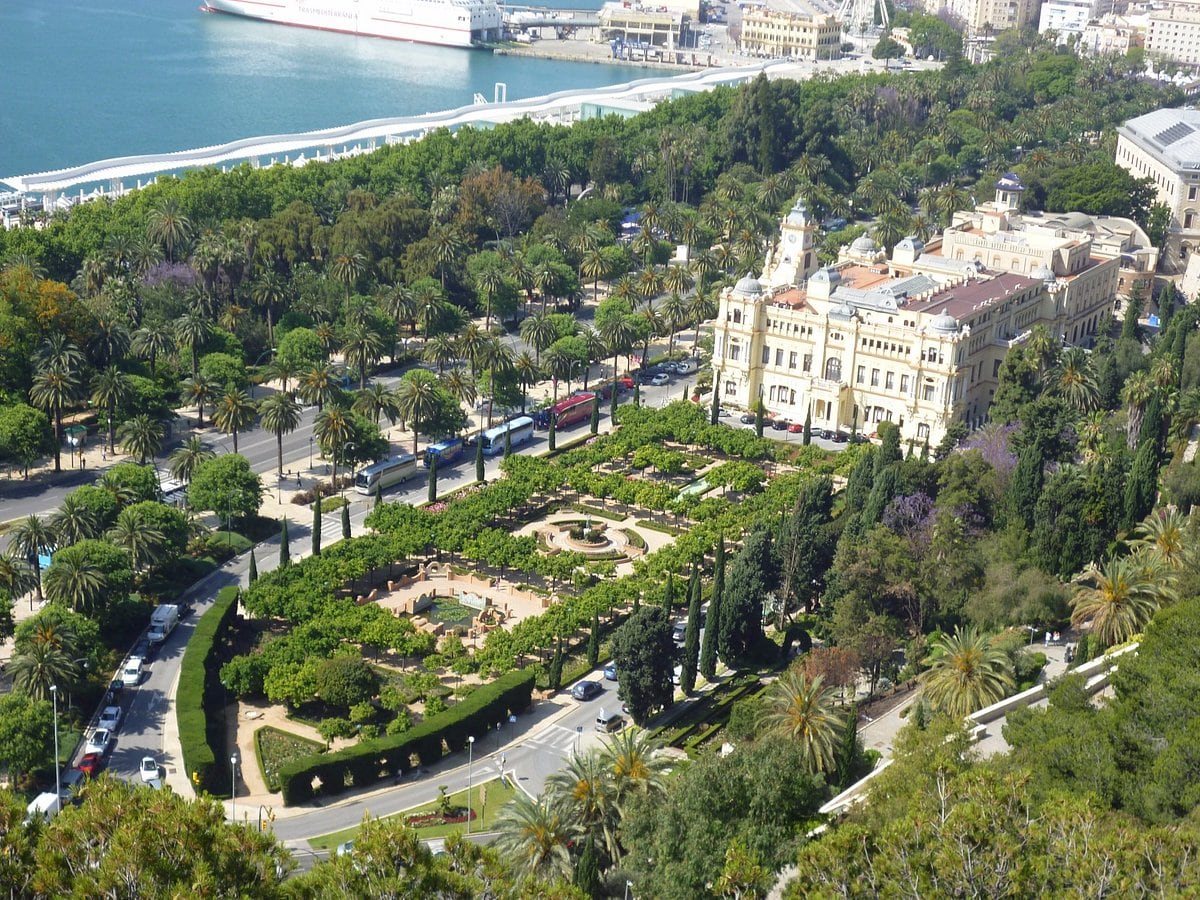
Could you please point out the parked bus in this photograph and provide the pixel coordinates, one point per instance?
(573, 409)
(445, 451)
(519, 431)
(383, 475)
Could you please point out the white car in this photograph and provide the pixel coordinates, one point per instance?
(660, 379)
(98, 742)
(149, 769)
(110, 718)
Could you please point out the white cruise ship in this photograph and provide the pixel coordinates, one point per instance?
(449, 23)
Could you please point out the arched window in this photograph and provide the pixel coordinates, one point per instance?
(833, 369)
(737, 317)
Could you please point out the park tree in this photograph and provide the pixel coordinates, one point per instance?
(708, 650)
(644, 652)
(344, 681)
(285, 554)
(25, 435)
(691, 636)
(227, 486)
(26, 734)
(316, 525)
(751, 578)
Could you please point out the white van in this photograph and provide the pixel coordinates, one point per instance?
(608, 722)
(43, 806)
(131, 675)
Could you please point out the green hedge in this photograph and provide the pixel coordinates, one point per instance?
(364, 764)
(203, 736)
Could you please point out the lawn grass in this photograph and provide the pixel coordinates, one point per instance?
(497, 794)
(275, 748)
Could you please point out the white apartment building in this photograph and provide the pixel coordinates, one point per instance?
(1113, 35)
(917, 340)
(776, 33)
(992, 16)
(1066, 17)
(1164, 146)
(1173, 33)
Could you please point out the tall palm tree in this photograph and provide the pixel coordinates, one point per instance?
(1136, 394)
(374, 402)
(535, 838)
(1116, 598)
(461, 386)
(440, 350)
(317, 386)
(528, 374)
(417, 401)
(137, 537)
(618, 333)
(141, 436)
(539, 332)
(593, 268)
(333, 431)
(168, 227)
(363, 347)
(347, 269)
(803, 710)
(488, 282)
(111, 389)
(16, 574)
(472, 344)
(701, 307)
(73, 521)
(280, 415)
(152, 341)
(633, 766)
(430, 300)
(966, 673)
(58, 352)
(448, 247)
(675, 311)
(1073, 378)
(197, 392)
(192, 329)
(234, 411)
(268, 291)
(53, 390)
(1168, 535)
(109, 341)
(583, 791)
(401, 305)
(36, 666)
(186, 457)
(74, 582)
(33, 537)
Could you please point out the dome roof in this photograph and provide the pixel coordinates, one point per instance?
(844, 311)
(912, 243)
(826, 275)
(1010, 181)
(747, 286)
(1042, 273)
(864, 244)
(1078, 221)
(944, 323)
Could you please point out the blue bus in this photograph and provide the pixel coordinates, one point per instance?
(519, 430)
(446, 451)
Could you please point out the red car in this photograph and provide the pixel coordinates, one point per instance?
(796, 428)
(91, 764)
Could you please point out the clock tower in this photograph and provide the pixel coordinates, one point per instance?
(793, 258)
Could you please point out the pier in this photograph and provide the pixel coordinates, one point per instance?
(113, 177)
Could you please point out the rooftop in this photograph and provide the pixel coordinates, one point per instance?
(964, 299)
(1173, 134)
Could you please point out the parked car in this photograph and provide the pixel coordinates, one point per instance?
(345, 849)
(91, 764)
(840, 437)
(98, 742)
(660, 379)
(724, 413)
(779, 424)
(678, 632)
(149, 768)
(610, 671)
(834, 224)
(826, 434)
(110, 718)
(746, 419)
(795, 428)
(586, 690)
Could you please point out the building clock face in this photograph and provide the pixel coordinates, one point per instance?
(791, 238)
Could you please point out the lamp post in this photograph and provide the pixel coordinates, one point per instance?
(346, 448)
(233, 761)
(310, 446)
(628, 885)
(470, 780)
(57, 780)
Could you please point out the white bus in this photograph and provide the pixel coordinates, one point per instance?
(383, 475)
(519, 430)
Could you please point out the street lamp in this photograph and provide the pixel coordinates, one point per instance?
(233, 761)
(57, 780)
(346, 448)
(628, 885)
(470, 784)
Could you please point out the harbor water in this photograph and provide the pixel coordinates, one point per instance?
(85, 81)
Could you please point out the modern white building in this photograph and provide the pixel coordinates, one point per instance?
(1173, 33)
(1066, 17)
(1164, 146)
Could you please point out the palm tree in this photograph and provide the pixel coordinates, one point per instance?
(675, 310)
(1116, 598)
(109, 341)
(488, 282)
(1168, 535)
(16, 574)
(197, 392)
(472, 344)
(333, 431)
(280, 415)
(701, 308)
(618, 333)
(282, 369)
(363, 347)
(1136, 394)
(317, 385)
(111, 389)
(401, 305)
(37, 666)
(417, 401)
(802, 709)
(678, 280)
(73, 521)
(461, 386)
(53, 389)
(374, 402)
(430, 300)
(268, 291)
(1073, 378)
(185, 458)
(966, 673)
(152, 341)
(583, 792)
(594, 267)
(191, 331)
(440, 350)
(234, 412)
(528, 374)
(633, 766)
(141, 436)
(74, 582)
(168, 227)
(138, 538)
(448, 247)
(539, 332)
(57, 352)
(121, 493)
(535, 838)
(347, 269)
(32, 537)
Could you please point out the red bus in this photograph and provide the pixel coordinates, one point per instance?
(573, 409)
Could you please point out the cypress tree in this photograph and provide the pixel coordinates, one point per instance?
(553, 432)
(637, 601)
(691, 637)
(751, 577)
(285, 555)
(507, 444)
(1026, 484)
(346, 522)
(433, 466)
(808, 425)
(612, 408)
(593, 648)
(595, 423)
(669, 595)
(556, 667)
(316, 527)
(378, 494)
(848, 752)
(715, 413)
(253, 575)
(1166, 305)
(637, 394)
(912, 442)
(587, 870)
(1131, 329)
(708, 650)
(888, 451)
(854, 426)
(925, 450)
(1142, 486)
(760, 418)
(480, 472)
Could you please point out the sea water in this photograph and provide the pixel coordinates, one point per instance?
(85, 81)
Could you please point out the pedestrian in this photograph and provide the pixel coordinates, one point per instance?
(503, 760)
(1048, 636)
(297, 479)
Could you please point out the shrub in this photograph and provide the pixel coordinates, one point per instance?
(201, 735)
(345, 681)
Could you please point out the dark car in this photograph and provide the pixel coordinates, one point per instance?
(780, 424)
(746, 419)
(586, 690)
(840, 437)
(826, 435)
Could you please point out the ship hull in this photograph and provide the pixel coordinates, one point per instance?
(420, 21)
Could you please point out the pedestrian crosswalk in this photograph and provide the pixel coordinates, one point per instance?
(556, 737)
